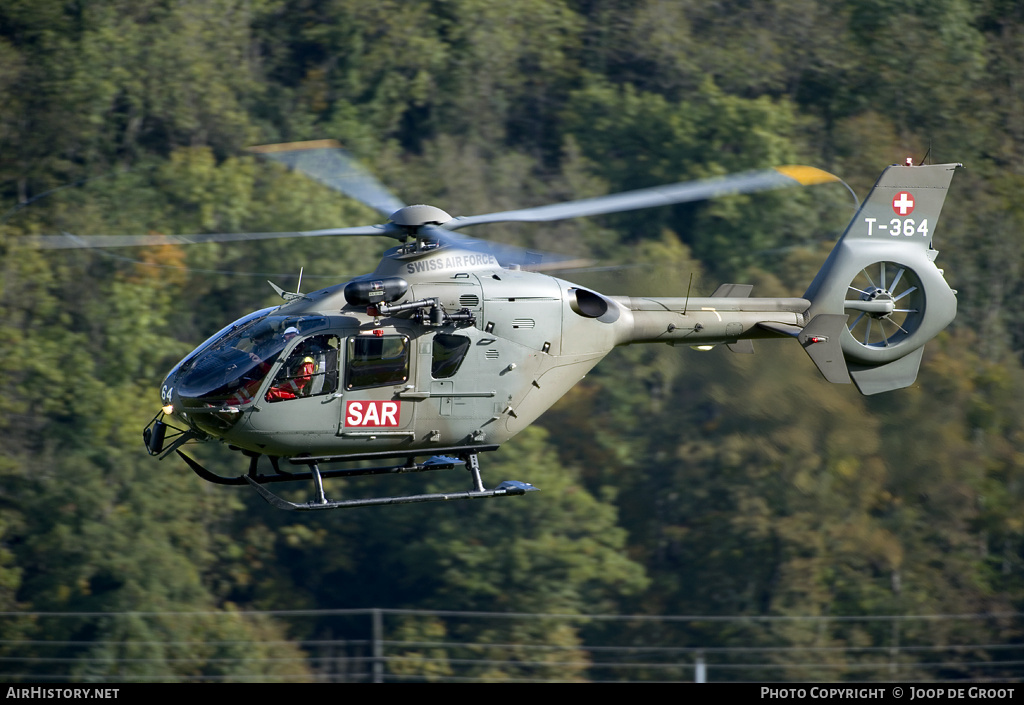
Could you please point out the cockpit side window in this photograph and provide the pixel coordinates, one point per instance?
(376, 361)
(311, 370)
(449, 352)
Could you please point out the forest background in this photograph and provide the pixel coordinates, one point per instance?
(673, 482)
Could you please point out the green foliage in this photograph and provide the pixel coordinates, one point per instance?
(640, 139)
(557, 551)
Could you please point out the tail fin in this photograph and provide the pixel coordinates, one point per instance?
(881, 275)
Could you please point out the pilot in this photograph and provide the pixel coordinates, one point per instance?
(266, 346)
(294, 385)
(262, 355)
(289, 334)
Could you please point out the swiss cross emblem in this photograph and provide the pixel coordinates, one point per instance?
(903, 204)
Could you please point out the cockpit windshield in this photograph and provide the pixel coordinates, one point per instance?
(244, 320)
(229, 368)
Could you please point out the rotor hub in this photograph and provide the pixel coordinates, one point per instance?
(418, 215)
(880, 296)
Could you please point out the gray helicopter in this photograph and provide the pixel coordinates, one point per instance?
(453, 346)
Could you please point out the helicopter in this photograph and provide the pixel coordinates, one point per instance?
(453, 345)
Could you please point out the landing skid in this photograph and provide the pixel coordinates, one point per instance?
(509, 488)
(467, 457)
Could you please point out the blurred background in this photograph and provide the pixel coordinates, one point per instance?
(711, 515)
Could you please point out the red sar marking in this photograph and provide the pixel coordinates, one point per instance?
(372, 413)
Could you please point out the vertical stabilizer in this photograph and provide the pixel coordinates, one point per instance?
(881, 275)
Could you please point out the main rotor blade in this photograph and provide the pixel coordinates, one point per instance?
(67, 241)
(747, 182)
(327, 162)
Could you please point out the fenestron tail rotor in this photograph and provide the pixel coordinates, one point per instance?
(885, 303)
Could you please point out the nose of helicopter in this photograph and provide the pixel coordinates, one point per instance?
(168, 402)
(204, 392)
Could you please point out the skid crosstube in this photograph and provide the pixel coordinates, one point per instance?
(437, 461)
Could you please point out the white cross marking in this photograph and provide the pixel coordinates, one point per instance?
(903, 204)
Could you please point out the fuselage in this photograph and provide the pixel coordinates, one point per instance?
(322, 376)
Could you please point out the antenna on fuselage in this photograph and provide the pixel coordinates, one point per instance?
(290, 295)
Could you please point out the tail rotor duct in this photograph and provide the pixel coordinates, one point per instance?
(886, 304)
